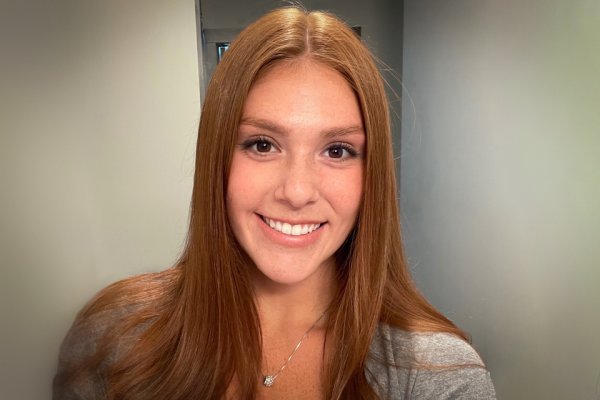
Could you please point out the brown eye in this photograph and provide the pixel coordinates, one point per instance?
(340, 152)
(263, 146)
(259, 146)
(336, 152)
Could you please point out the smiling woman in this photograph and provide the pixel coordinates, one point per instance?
(293, 282)
(290, 175)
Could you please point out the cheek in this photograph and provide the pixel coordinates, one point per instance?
(245, 185)
(344, 191)
(235, 188)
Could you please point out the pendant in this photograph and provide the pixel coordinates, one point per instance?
(269, 381)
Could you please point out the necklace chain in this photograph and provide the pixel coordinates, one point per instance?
(269, 380)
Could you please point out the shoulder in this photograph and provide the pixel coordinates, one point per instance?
(410, 349)
(84, 356)
(419, 365)
(429, 348)
(106, 328)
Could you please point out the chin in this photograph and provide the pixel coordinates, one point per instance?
(283, 277)
(290, 274)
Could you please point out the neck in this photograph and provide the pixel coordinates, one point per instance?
(295, 305)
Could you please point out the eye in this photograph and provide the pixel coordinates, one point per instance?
(262, 146)
(259, 145)
(341, 151)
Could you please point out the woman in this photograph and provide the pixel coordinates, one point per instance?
(293, 282)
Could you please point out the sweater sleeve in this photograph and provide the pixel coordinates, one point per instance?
(473, 383)
(423, 366)
(81, 368)
(460, 372)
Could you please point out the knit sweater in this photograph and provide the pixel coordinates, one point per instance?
(401, 365)
(408, 365)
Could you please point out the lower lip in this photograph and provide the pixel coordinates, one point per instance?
(289, 240)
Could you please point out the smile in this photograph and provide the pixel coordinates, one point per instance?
(289, 229)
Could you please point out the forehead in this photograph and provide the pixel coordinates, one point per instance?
(303, 94)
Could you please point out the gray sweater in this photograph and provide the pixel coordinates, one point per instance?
(404, 365)
(401, 365)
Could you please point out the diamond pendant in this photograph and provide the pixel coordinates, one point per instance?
(269, 381)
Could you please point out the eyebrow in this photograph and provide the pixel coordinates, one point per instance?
(264, 124)
(276, 128)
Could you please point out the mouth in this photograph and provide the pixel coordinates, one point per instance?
(291, 229)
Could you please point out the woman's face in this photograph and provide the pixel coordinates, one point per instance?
(296, 176)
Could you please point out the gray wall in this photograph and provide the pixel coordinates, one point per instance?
(100, 109)
(500, 184)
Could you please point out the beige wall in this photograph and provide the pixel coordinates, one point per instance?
(98, 140)
(500, 183)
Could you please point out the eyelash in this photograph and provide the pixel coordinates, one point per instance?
(248, 145)
(352, 152)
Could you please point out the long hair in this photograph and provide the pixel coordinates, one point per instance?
(202, 332)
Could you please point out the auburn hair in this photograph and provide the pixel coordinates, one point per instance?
(201, 326)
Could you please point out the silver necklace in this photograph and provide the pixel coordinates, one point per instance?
(269, 380)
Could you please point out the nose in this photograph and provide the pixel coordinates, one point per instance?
(298, 184)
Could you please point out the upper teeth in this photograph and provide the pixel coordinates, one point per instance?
(289, 229)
